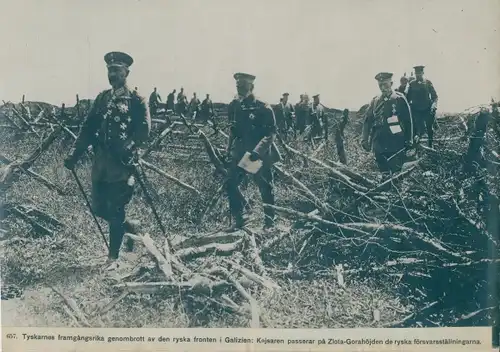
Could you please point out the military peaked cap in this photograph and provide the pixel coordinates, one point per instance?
(316, 96)
(383, 76)
(286, 94)
(244, 77)
(419, 68)
(117, 58)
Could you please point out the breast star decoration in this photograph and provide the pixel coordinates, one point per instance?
(122, 107)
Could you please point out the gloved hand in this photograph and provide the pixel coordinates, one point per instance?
(408, 144)
(70, 162)
(254, 156)
(365, 145)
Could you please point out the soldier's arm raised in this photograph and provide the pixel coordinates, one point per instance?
(269, 122)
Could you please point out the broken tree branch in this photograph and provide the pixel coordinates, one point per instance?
(212, 248)
(170, 177)
(164, 263)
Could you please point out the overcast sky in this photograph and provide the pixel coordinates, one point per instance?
(53, 49)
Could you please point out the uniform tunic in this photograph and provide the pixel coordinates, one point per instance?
(253, 128)
(387, 126)
(206, 109)
(171, 102)
(116, 118)
(421, 96)
(301, 111)
(318, 121)
(284, 116)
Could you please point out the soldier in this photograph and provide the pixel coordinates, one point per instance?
(154, 101)
(253, 129)
(207, 109)
(388, 127)
(181, 102)
(194, 106)
(318, 119)
(301, 110)
(339, 136)
(423, 101)
(171, 101)
(286, 114)
(404, 86)
(118, 122)
(411, 79)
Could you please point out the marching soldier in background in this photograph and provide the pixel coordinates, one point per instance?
(154, 100)
(285, 115)
(411, 79)
(116, 125)
(301, 111)
(207, 109)
(181, 102)
(423, 101)
(280, 119)
(171, 101)
(194, 106)
(339, 136)
(253, 130)
(319, 123)
(388, 127)
(404, 86)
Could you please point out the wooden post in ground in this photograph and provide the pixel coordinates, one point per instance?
(77, 107)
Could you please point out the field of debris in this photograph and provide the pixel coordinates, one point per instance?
(420, 249)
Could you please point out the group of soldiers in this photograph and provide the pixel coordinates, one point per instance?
(202, 111)
(119, 122)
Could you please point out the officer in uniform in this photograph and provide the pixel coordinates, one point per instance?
(207, 109)
(339, 136)
(194, 106)
(118, 122)
(423, 102)
(301, 111)
(388, 127)
(154, 101)
(318, 119)
(253, 129)
(181, 102)
(286, 113)
(171, 101)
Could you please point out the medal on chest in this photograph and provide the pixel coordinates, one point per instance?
(393, 122)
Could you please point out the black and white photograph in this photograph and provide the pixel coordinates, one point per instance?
(250, 164)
